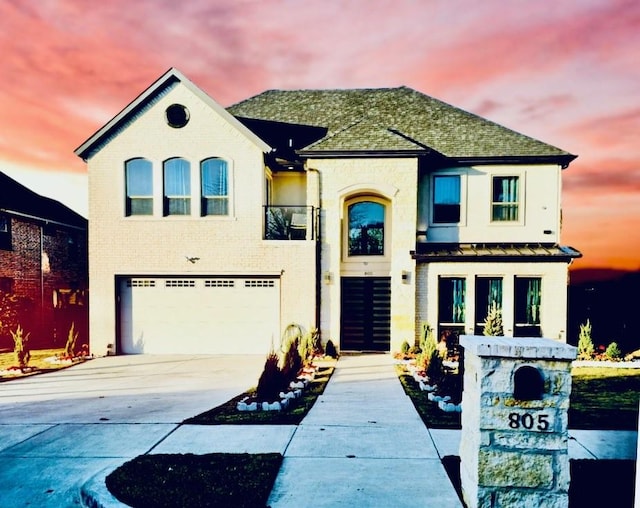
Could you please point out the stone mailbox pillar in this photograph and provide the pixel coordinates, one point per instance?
(514, 442)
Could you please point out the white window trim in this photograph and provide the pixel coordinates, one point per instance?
(463, 199)
(521, 203)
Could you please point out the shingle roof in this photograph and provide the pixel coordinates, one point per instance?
(17, 199)
(392, 120)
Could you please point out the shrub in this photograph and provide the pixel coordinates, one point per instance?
(21, 348)
(434, 369)
(308, 345)
(330, 349)
(404, 347)
(493, 322)
(585, 342)
(291, 361)
(427, 346)
(70, 346)
(613, 351)
(271, 381)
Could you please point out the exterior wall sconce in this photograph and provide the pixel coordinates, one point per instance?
(406, 277)
(327, 277)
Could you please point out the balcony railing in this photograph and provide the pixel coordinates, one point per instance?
(288, 223)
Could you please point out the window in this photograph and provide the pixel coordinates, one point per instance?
(139, 187)
(451, 308)
(528, 296)
(446, 199)
(506, 199)
(177, 116)
(5, 233)
(488, 293)
(366, 229)
(177, 187)
(215, 187)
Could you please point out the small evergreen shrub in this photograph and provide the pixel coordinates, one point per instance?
(404, 347)
(271, 381)
(21, 347)
(291, 362)
(434, 368)
(585, 342)
(427, 346)
(613, 352)
(493, 322)
(72, 339)
(330, 349)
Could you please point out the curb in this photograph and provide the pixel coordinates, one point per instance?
(94, 492)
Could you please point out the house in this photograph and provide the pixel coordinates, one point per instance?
(43, 267)
(364, 213)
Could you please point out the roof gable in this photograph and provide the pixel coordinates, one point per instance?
(146, 100)
(393, 120)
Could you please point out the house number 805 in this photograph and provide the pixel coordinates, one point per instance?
(529, 421)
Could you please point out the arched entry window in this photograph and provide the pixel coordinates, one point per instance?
(366, 228)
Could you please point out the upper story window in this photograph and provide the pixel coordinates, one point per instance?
(505, 205)
(214, 176)
(446, 199)
(177, 187)
(5, 232)
(139, 187)
(366, 228)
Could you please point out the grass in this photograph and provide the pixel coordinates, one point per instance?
(215, 479)
(37, 362)
(602, 398)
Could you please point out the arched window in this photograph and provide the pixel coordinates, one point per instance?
(139, 187)
(177, 187)
(366, 228)
(214, 176)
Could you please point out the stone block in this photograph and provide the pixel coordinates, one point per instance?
(504, 469)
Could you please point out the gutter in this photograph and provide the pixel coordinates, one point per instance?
(42, 219)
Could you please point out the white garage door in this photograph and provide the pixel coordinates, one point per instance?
(199, 315)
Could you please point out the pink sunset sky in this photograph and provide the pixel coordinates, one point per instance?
(567, 73)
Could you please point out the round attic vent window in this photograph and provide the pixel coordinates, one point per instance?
(177, 115)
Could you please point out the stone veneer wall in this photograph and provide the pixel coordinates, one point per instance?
(515, 452)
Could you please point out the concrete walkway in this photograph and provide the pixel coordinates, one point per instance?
(363, 444)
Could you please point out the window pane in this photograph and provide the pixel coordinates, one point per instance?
(215, 187)
(139, 187)
(177, 187)
(488, 292)
(506, 198)
(366, 229)
(451, 300)
(528, 297)
(446, 199)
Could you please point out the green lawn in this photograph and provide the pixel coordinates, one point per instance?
(603, 398)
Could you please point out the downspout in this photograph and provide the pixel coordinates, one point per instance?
(318, 263)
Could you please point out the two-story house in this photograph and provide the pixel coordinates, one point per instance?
(364, 213)
(43, 267)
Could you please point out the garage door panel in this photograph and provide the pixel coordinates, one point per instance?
(199, 316)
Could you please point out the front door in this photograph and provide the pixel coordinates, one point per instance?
(365, 323)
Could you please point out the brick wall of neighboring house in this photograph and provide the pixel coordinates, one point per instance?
(47, 269)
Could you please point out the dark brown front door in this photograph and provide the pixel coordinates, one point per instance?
(365, 323)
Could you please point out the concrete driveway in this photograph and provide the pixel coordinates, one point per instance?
(58, 430)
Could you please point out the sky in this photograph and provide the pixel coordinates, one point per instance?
(567, 73)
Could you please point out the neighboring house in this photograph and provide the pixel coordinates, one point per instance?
(364, 213)
(43, 267)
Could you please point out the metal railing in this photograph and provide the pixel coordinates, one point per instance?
(288, 222)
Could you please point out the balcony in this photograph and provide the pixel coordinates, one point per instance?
(288, 223)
